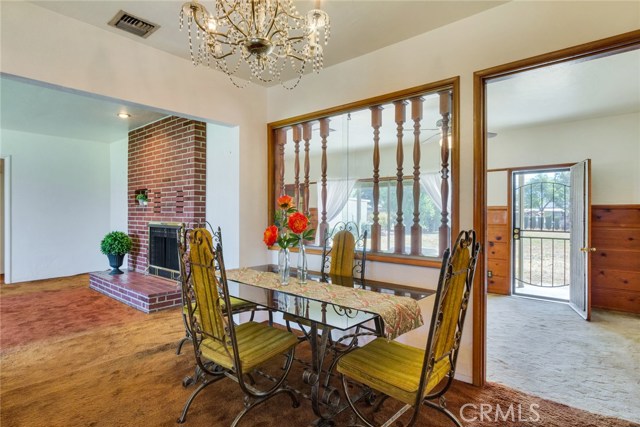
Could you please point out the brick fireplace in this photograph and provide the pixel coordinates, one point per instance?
(167, 162)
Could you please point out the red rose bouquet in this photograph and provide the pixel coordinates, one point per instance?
(290, 226)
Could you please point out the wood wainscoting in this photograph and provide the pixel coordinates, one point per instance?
(498, 250)
(615, 266)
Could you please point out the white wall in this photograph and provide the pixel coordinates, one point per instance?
(507, 33)
(223, 189)
(118, 168)
(60, 207)
(86, 58)
(497, 188)
(2, 202)
(612, 143)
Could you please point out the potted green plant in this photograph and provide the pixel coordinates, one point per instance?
(115, 246)
(142, 199)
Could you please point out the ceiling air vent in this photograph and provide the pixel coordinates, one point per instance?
(132, 24)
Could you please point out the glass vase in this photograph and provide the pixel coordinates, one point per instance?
(284, 266)
(302, 264)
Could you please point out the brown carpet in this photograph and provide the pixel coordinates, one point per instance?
(73, 357)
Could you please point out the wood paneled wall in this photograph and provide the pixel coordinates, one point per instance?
(498, 250)
(615, 266)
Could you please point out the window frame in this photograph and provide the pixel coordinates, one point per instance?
(452, 84)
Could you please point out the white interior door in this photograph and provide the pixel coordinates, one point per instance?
(580, 280)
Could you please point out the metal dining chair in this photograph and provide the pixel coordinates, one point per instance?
(223, 349)
(344, 251)
(411, 375)
(237, 305)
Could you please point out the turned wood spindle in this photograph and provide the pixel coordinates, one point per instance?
(282, 140)
(297, 136)
(376, 123)
(445, 112)
(278, 151)
(324, 133)
(416, 228)
(399, 230)
(306, 135)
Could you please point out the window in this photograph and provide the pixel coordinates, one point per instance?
(388, 164)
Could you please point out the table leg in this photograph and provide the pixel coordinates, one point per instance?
(318, 341)
(322, 394)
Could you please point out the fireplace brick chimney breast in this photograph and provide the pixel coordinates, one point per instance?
(167, 161)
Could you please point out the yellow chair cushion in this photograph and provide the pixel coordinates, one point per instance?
(257, 343)
(342, 254)
(391, 368)
(451, 304)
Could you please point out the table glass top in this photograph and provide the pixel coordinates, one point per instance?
(322, 312)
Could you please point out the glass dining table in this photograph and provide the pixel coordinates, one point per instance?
(326, 303)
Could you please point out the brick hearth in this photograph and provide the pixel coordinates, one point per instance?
(167, 162)
(140, 291)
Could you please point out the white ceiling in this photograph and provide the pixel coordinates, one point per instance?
(603, 86)
(357, 26)
(51, 111)
(565, 92)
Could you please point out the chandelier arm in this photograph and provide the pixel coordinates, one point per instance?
(254, 18)
(196, 20)
(273, 21)
(218, 58)
(217, 34)
(296, 18)
(226, 39)
(290, 55)
(272, 35)
(296, 39)
(227, 16)
(306, 31)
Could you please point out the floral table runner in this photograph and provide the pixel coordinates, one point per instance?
(400, 314)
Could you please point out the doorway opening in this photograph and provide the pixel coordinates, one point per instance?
(541, 232)
(532, 208)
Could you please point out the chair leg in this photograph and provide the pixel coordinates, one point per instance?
(181, 343)
(352, 405)
(378, 405)
(187, 335)
(445, 411)
(187, 405)
(294, 403)
(254, 397)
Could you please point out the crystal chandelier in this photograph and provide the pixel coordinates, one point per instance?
(261, 38)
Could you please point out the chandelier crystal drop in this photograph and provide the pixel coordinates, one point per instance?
(260, 37)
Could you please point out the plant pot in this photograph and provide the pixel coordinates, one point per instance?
(115, 261)
(142, 202)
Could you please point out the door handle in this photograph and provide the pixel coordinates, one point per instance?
(587, 249)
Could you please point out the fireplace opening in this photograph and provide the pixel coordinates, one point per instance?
(164, 260)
